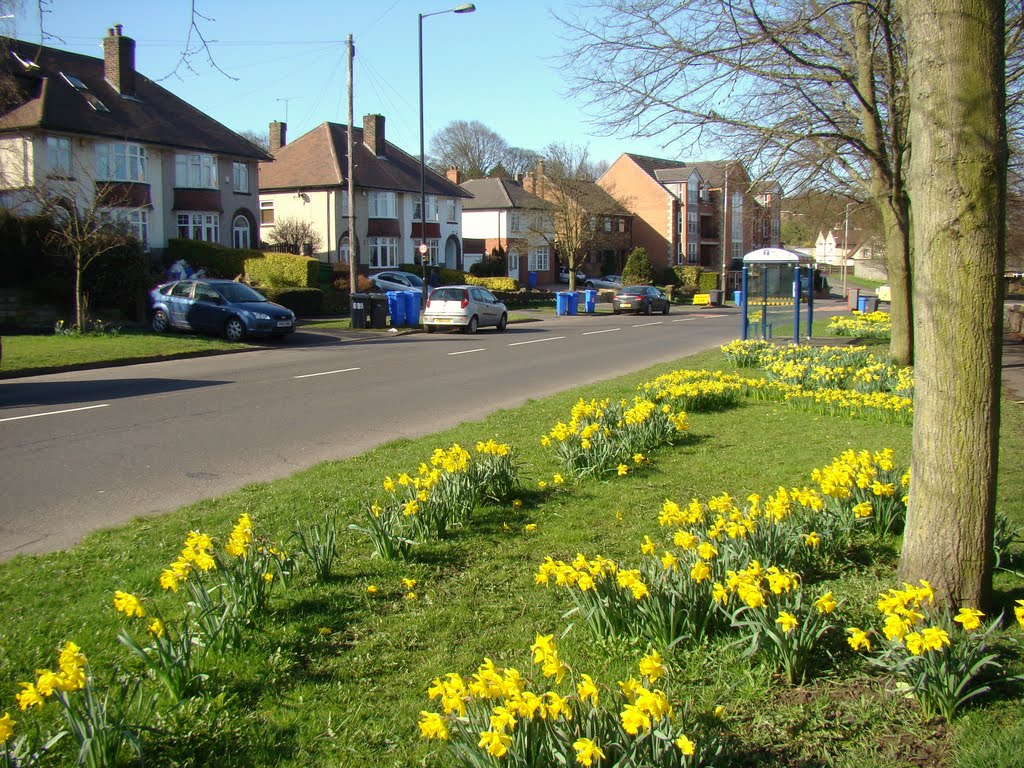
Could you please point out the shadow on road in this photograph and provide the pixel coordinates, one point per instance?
(63, 392)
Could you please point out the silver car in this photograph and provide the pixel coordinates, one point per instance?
(466, 307)
(397, 281)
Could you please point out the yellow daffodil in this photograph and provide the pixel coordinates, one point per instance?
(686, 747)
(969, 618)
(7, 728)
(858, 639)
(530, 527)
(826, 603)
(156, 628)
(587, 689)
(408, 583)
(587, 751)
(787, 621)
(128, 604)
(432, 726)
(28, 697)
(652, 666)
(372, 589)
(623, 470)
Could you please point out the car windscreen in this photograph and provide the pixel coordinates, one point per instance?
(237, 292)
(414, 280)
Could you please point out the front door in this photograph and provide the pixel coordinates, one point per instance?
(513, 265)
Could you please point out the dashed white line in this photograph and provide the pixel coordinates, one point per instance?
(535, 341)
(606, 330)
(682, 319)
(54, 413)
(326, 373)
(644, 325)
(467, 351)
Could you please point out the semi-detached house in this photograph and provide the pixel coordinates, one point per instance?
(98, 133)
(307, 181)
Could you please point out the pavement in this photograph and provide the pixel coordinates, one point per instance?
(1013, 367)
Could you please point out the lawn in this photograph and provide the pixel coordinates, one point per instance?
(336, 673)
(25, 353)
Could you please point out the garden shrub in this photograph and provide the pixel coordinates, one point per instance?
(119, 280)
(638, 270)
(707, 281)
(688, 275)
(494, 283)
(282, 269)
(304, 302)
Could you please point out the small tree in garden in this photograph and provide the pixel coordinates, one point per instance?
(638, 269)
(292, 234)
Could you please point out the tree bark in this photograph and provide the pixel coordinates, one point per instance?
(957, 181)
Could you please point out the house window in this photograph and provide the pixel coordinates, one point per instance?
(452, 210)
(120, 161)
(539, 260)
(240, 232)
(267, 212)
(691, 253)
(134, 220)
(515, 221)
(343, 251)
(58, 154)
(241, 173)
(737, 249)
(383, 251)
(196, 225)
(195, 170)
(382, 205)
(607, 225)
(431, 208)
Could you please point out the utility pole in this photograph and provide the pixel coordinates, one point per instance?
(353, 260)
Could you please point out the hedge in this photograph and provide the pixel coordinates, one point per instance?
(282, 269)
(707, 281)
(494, 283)
(304, 302)
(217, 260)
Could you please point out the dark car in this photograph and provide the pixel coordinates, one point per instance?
(224, 307)
(640, 298)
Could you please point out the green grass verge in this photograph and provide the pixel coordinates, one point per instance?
(335, 676)
(30, 352)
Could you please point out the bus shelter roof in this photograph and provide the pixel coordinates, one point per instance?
(777, 256)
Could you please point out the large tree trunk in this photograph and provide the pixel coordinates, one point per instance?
(957, 181)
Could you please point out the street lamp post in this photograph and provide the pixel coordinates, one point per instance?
(846, 244)
(464, 8)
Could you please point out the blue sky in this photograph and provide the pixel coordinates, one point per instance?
(496, 65)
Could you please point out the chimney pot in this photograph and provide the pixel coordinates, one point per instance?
(454, 175)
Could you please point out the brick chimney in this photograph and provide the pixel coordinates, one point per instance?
(373, 134)
(454, 175)
(119, 60)
(277, 135)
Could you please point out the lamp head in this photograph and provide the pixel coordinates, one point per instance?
(464, 8)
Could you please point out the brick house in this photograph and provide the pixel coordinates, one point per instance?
(307, 181)
(96, 131)
(503, 215)
(682, 210)
(607, 225)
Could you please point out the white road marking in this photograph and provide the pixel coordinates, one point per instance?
(467, 351)
(606, 330)
(326, 373)
(535, 341)
(682, 319)
(54, 413)
(644, 325)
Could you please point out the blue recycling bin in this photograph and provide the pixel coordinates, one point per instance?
(561, 303)
(412, 307)
(532, 280)
(737, 298)
(862, 303)
(574, 302)
(590, 300)
(396, 308)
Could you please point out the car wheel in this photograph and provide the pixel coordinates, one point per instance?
(428, 328)
(648, 309)
(234, 330)
(668, 306)
(472, 325)
(502, 323)
(615, 311)
(161, 323)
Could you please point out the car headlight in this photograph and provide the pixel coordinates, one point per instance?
(260, 316)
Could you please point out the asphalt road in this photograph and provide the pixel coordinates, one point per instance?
(90, 449)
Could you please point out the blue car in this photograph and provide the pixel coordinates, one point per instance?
(223, 307)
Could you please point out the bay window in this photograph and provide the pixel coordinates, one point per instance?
(383, 251)
(199, 225)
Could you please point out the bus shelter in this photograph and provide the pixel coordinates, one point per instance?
(777, 284)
